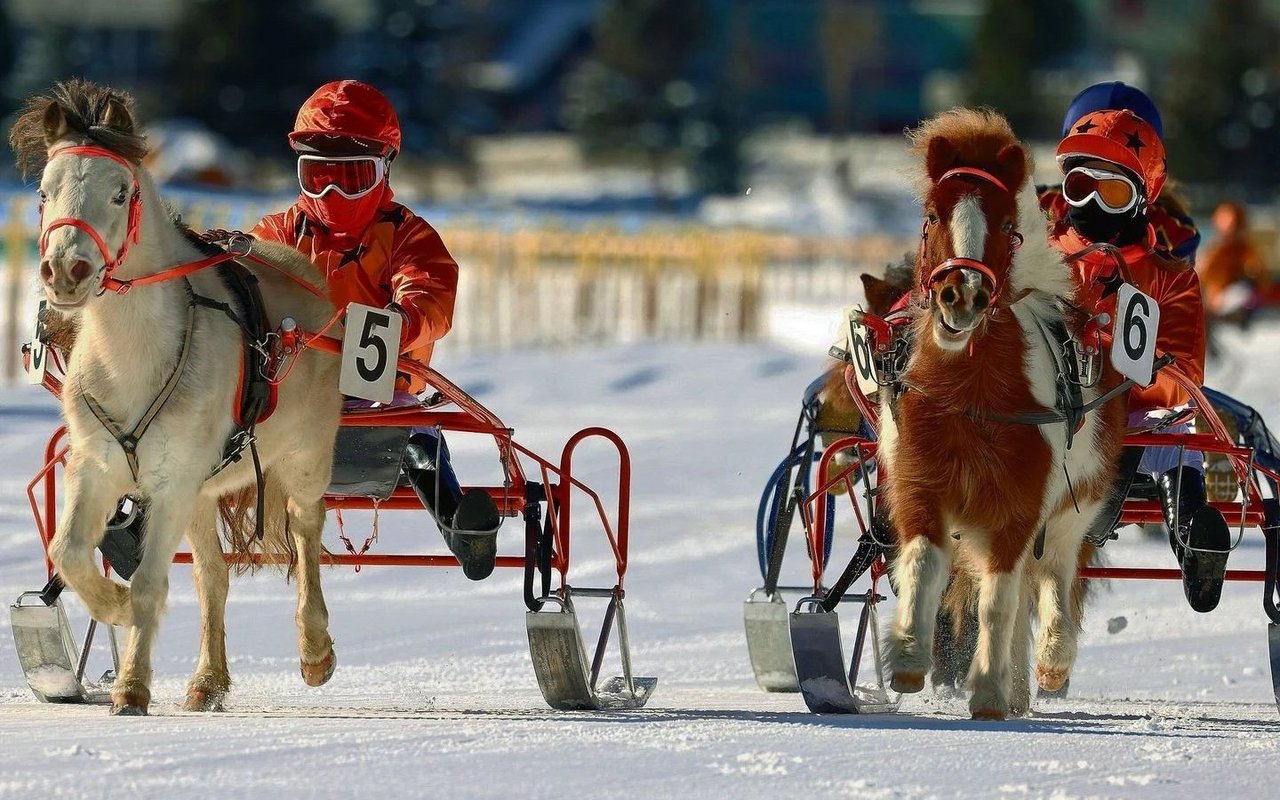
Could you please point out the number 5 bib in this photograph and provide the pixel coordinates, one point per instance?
(370, 349)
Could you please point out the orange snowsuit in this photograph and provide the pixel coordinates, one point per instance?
(1174, 286)
(1231, 259)
(399, 260)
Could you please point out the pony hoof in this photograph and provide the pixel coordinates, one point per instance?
(130, 702)
(318, 674)
(1051, 680)
(205, 700)
(907, 682)
(988, 714)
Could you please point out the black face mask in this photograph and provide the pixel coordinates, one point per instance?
(1096, 224)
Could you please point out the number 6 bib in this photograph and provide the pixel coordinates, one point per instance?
(1133, 345)
(370, 349)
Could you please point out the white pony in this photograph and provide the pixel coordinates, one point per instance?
(146, 355)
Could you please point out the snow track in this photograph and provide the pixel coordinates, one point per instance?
(435, 697)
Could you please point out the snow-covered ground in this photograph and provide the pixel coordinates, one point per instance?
(435, 696)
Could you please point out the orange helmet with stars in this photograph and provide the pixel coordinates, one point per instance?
(1122, 138)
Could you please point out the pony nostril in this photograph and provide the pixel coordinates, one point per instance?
(981, 300)
(81, 270)
(948, 295)
(46, 272)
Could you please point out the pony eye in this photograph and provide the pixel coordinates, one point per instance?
(42, 195)
(1007, 227)
(121, 195)
(932, 218)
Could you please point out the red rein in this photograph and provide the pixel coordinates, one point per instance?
(133, 233)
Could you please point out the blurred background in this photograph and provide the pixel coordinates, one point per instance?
(623, 169)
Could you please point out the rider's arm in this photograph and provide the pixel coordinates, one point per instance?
(424, 283)
(1181, 334)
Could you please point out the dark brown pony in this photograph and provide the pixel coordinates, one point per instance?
(971, 484)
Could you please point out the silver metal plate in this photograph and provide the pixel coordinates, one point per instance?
(1273, 645)
(561, 664)
(768, 629)
(823, 673)
(47, 652)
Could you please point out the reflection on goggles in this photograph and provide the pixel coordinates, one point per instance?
(1115, 192)
(349, 176)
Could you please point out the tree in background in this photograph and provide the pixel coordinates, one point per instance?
(1222, 104)
(1014, 38)
(243, 67)
(636, 94)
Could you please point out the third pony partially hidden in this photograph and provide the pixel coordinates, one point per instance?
(971, 481)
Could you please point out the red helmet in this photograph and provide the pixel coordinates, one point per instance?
(348, 109)
(1120, 137)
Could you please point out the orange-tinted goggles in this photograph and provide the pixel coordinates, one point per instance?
(349, 176)
(1114, 191)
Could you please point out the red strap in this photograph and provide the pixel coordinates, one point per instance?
(976, 173)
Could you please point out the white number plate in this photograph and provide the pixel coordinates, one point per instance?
(864, 366)
(39, 360)
(370, 349)
(1133, 345)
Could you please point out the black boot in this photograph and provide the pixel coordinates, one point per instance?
(469, 522)
(1204, 531)
(122, 541)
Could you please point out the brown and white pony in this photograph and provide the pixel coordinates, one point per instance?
(967, 486)
(103, 227)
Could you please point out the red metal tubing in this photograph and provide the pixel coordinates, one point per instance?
(1136, 512)
(1160, 574)
(618, 540)
(815, 525)
(510, 500)
(348, 560)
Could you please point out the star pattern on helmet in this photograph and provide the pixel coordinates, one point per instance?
(1134, 142)
(1086, 126)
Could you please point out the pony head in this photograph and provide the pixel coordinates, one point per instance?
(82, 138)
(974, 169)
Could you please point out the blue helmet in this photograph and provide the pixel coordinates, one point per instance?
(1113, 96)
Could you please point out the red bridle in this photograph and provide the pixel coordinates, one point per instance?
(133, 231)
(952, 264)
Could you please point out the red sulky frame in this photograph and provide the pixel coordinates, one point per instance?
(455, 411)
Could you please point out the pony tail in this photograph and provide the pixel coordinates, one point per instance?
(236, 511)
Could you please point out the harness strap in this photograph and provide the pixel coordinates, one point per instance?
(128, 440)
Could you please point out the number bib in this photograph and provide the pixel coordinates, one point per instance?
(39, 360)
(370, 350)
(1133, 345)
(864, 366)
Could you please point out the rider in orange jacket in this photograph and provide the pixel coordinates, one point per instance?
(377, 252)
(1113, 166)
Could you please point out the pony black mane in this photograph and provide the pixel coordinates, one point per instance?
(86, 108)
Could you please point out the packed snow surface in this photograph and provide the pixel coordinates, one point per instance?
(435, 695)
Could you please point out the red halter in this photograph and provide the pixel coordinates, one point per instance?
(132, 229)
(953, 264)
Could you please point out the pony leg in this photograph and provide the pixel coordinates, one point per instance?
(167, 519)
(991, 676)
(922, 570)
(212, 679)
(1057, 642)
(1020, 654)
(90, 498)
(303, 480)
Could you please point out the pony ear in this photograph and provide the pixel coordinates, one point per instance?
(117, 116)
(880, 294)
(942, 156)
(55, 124)
(1012, 159)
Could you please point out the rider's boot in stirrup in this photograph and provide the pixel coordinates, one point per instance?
(1203, 530)
(469, 522)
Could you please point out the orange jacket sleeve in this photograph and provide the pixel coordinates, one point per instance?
(271, 228)
(424, 284)
(1181, 334)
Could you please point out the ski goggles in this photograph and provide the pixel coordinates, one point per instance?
(1114, 192)
(349, 176)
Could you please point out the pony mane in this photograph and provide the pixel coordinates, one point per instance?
(86, 108)
(978, 134)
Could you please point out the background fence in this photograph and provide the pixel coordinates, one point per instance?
(555, 283)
